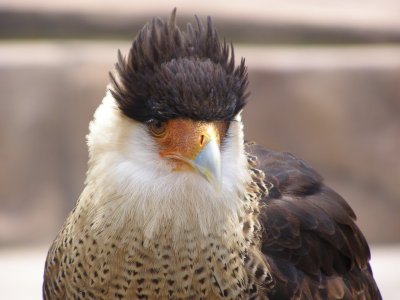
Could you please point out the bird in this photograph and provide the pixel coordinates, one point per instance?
(178, 205)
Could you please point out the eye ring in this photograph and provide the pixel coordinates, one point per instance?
(157, 127)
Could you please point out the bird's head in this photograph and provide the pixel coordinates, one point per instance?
(167, 141)
(173, 109)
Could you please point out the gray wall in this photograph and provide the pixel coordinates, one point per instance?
(337, 107)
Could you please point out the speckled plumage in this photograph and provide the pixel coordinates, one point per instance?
(87, 263)
(142, 231)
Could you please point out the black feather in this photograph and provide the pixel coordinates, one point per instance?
(171, 74)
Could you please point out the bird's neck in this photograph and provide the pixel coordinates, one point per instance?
(196, 234)
(172, 207)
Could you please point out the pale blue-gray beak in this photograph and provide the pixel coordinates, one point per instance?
(208, 164)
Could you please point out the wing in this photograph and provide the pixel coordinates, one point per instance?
(310, 241)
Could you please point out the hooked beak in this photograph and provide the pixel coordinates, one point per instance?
(194, 146)
(208, 164)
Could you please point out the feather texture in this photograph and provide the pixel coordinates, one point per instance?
(170, 73)
(309, 238)
(140, 230)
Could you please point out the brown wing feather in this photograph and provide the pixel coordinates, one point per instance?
(310, 240)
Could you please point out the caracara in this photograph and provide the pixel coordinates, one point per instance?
(177, 205)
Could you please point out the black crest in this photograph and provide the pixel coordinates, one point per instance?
(170, 74)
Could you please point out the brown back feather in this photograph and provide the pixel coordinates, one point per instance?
(310, 239)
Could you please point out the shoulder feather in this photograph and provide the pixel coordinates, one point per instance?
(309, 235)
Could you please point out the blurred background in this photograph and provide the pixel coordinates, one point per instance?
(324, 82)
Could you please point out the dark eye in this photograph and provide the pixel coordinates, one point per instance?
(157, 128)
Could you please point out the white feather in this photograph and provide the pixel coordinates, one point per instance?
(131, 185)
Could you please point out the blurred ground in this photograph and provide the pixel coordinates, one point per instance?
(324, 82)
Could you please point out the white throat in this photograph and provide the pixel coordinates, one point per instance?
(129, 183)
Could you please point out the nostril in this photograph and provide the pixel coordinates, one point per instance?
(202, 140)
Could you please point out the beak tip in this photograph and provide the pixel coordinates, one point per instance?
(208, 165)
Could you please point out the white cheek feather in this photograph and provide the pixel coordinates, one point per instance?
(136, 187)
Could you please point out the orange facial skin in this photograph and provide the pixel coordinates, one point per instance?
(180, 140)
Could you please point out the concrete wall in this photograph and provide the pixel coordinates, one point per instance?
(336, 107)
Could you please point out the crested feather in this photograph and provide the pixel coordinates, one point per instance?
(170, 73)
